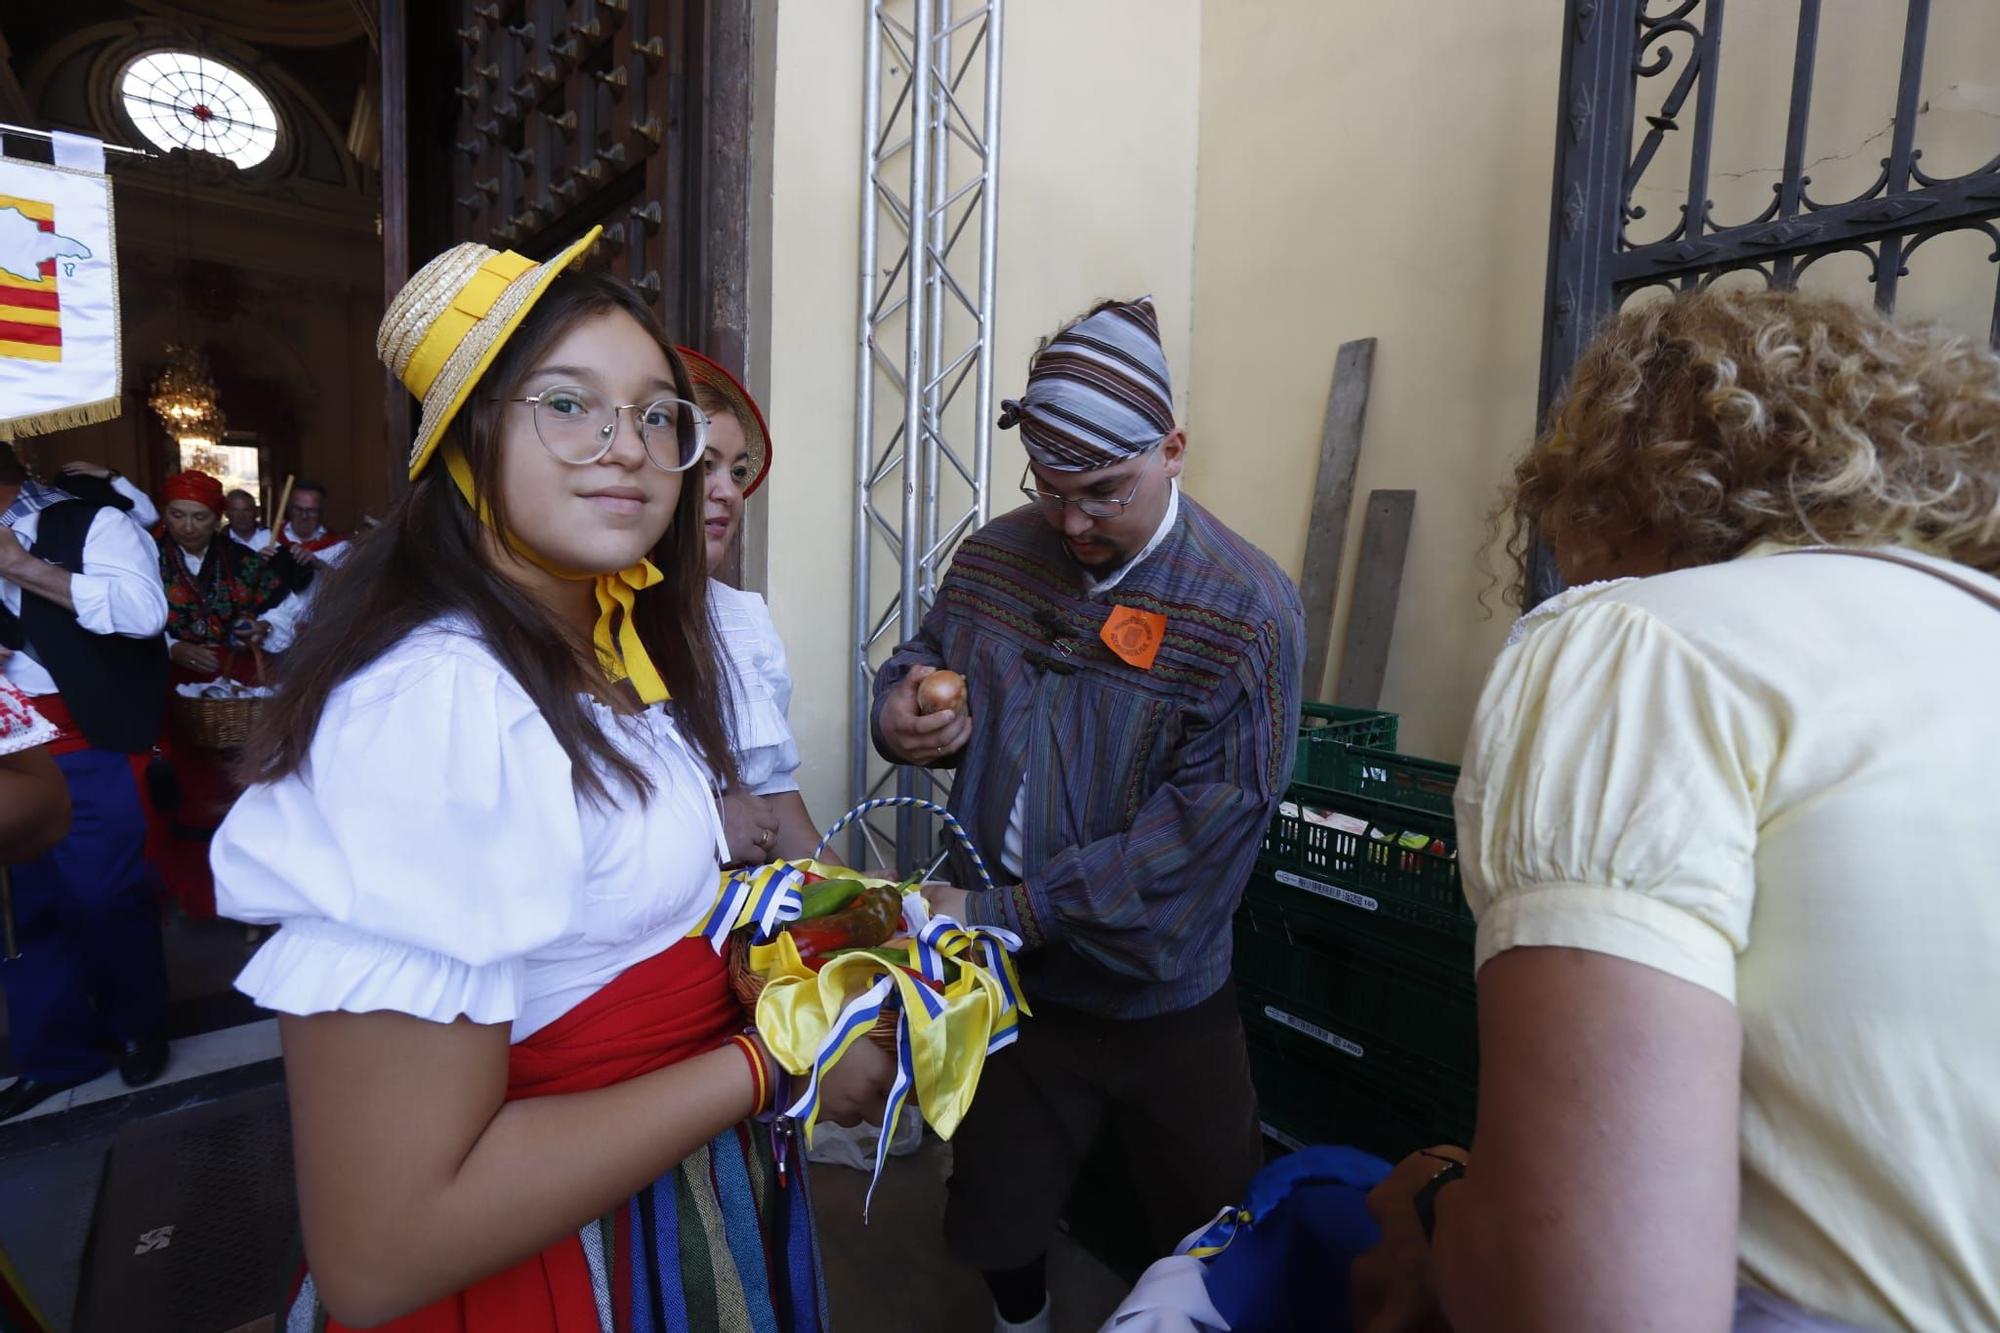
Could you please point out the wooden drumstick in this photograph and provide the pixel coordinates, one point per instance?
(278, 519)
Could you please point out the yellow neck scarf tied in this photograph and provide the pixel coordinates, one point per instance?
(616, 638)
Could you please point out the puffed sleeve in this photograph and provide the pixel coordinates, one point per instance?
(431, 843)
(1610, 797)
(760, 691)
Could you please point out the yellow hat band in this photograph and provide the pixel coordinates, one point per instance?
(468, 306)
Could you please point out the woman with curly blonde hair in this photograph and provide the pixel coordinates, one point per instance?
(1728, 823)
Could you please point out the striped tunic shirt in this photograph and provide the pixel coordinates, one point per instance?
(1147, 791)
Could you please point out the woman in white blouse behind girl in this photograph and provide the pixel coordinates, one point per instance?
(520, 1095)
(765, 814)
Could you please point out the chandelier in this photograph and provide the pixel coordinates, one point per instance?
(185, 399)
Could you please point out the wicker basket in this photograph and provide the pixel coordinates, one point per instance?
(220, 723)
(747, 985)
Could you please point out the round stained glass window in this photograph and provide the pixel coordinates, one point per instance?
(182, 100)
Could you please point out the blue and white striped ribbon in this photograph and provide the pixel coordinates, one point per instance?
(764, 896)
(930, 958)
(913, 803)
(778, 901)
(892, 1110)
(855, 1019)
(728, 907)
(1006, 1023)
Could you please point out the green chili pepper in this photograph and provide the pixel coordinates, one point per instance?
(827, 897)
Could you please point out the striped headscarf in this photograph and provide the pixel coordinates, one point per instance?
(1099, 393)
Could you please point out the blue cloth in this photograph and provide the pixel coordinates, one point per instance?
(1287, 1266)
(92, 970)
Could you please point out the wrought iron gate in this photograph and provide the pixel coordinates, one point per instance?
(1615, 52)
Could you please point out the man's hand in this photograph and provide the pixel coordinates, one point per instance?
(79, 468)
(945, 900)
(302, 555)
(14, 557)
(193, 657)
(1390, 1285)
(751, 825)
(855, 1089)
(920, 738)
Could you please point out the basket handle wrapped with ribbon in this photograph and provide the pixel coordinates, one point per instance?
(942, 998)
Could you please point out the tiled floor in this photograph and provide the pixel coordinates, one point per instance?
(893, 1275)
(190, 1057)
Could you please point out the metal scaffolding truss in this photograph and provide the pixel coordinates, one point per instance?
(924, 401)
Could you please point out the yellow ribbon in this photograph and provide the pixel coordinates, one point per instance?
(620, 652)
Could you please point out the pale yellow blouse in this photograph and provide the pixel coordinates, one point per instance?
(1779, 779)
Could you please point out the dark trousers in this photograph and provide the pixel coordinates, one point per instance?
(92, 969)
(1173, 1093)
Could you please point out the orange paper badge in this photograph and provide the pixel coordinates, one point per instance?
(1134, 635)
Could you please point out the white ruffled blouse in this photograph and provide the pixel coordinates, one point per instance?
(434, 858)
(760, 690)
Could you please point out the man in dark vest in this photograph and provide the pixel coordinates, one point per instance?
(82, 615)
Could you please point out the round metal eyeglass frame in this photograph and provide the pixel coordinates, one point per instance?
(1096, 507)
(607, 432)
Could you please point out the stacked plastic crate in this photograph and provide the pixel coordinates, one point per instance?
(1354, 948)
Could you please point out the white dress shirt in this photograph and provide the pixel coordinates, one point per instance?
(118, 592)
(143, 511)
(330, 557)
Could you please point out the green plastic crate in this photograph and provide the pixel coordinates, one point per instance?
(1327, 729)
(1315, 1085)
(1383, 775)
(1349, 851)
(1352, 976)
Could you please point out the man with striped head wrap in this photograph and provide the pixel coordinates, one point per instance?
(1097, 420)
(1132, 688)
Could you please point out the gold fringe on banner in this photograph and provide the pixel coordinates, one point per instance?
(67, 418)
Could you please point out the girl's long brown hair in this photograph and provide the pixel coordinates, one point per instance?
(428, 561)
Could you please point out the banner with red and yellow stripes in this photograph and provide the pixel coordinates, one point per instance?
(59, 353)
(30, 315)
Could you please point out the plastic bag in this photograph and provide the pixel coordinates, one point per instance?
(854, 1145)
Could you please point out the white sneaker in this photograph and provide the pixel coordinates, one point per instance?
(1039, 1324)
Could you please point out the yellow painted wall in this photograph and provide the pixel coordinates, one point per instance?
(1364, 174)
(1284, 175)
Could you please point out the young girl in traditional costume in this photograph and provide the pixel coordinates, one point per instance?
(484, 819)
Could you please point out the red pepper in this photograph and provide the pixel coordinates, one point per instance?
(872, 919)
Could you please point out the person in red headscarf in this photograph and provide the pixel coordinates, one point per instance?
(226, 606)
(222, 599)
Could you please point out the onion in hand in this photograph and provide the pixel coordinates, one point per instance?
(941, 690)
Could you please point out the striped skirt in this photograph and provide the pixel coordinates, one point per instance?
(718, 1243)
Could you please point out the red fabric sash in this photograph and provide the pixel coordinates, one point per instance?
(69, 737)
(674, 1005)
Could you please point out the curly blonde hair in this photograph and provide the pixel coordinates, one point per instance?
(1717, 419)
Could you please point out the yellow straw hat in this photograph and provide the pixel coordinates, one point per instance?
(452, 318)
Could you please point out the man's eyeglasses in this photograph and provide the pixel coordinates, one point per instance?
(578, 426)
(1094, 506)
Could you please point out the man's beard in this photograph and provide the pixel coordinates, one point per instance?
(1100, 570)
